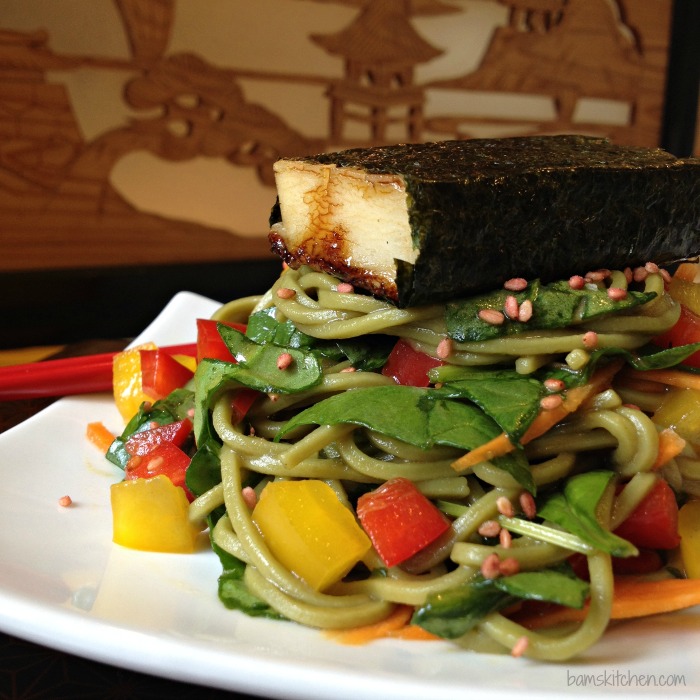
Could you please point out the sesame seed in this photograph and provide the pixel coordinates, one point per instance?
(651, 268)
(505, 507)
(554, 385)
(491, 566)
(273, 397)
(65, 501)
(520, 647)
(154, 464)
(348, 369)
(489, 528)
(576, 282)
(590, 340)
(505, 539)
(249, 497)
(549, 403)
(525, 311)
(617, 293)
(639, 274)
(509, 566)
(511, 307)
(345, 288)
(492, 317)
(527, 503)
(516, 284)
(284, 360)
(596, 275)
(286, 293)
(444, 348)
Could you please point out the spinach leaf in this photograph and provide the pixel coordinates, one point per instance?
(257, 365)
(234, 593)
(554, 306)
(516, 464)
(510, 398)
(173, 407)
(587, 304)
(214, 376)
(574, 509)
(559, 586)
(263, 328)
(368, 353)
(453, 613)
(204, 471)
(662, 359)
(421, 417)
(210, 379)
(647, 358)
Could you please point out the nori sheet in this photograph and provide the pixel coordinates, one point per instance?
(485, 210)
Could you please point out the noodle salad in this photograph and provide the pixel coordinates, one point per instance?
(512, 472)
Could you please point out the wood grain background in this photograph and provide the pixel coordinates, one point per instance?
(137, 136)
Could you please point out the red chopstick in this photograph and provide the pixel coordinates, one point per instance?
(66, 376)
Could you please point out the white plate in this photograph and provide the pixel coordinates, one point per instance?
(64, 584)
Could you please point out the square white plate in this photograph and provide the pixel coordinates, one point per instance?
(64, 584)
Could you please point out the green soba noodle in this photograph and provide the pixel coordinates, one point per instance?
(342, 455)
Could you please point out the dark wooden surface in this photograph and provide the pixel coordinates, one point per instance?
(50, 307)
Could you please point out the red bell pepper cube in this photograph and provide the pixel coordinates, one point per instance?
(145, 441)
(166, 459)
(653, 523)
(241, 402)
(161, 374)
(210, 345)
(408, 366)
(646, 562)
(400, 520)
(685, 332)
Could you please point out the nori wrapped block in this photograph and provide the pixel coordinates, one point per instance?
(429, 222)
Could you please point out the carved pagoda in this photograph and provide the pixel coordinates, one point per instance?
(380, 50)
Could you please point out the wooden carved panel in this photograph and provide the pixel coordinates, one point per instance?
(362, 72)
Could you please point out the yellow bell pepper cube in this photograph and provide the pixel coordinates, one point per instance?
(188, 361)
(152, 515)
(126, 381)
(687, 293)
(310, 531)
(689, 529)
(680, 410)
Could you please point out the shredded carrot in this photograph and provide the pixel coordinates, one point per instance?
(99, 436)
(626, 380)
(414, 633)
(671, 444)
(672, 377)
(396, 625)
(633, 598)
(544, 421)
